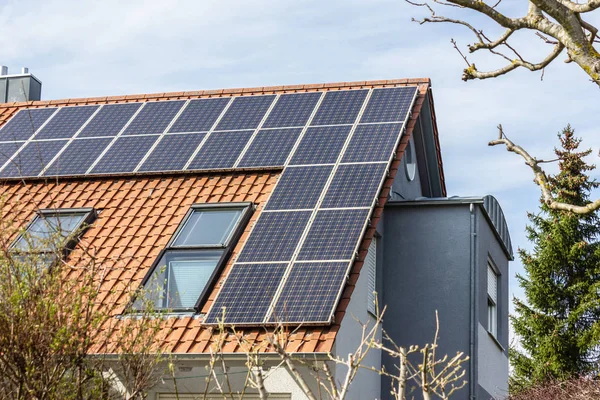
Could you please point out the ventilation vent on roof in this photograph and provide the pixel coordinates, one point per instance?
(19, 87)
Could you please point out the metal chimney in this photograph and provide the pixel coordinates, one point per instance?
(19, 87)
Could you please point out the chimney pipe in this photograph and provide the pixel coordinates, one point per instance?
(3, 70)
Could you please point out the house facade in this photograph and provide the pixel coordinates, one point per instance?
(300, 206)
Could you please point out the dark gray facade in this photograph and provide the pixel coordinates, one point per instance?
(435, 257)
(21, 87)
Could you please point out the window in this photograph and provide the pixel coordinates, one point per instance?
(410, 163)
(185, 270)
(371, 266)
(51, 234)
(492, 292)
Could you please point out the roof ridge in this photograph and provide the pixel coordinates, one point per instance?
(220, 92)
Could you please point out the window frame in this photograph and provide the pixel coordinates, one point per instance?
(90, 215)
(247, 209)
(371, 309)
(491, 304)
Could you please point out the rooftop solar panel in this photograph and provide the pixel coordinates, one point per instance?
(25, 123)
(354, 185)
(340, 107)
(172, 152)
(154, 117)
(110, 120)
(292, 110)
(199, 115)
(334, 235)
(32, 159)
(247, 293)
(220, 150)
(310, 292)
(245, 112)
(78, 157)
(321, 145)
(125, 154)
(299, 188)
(389, 104)
(270, 148)
(66, 122)
(7, 150)
(372, 143)
(275, 236)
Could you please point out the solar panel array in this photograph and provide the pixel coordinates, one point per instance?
(335, 148)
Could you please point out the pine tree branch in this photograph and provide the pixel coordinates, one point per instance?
(541, 179)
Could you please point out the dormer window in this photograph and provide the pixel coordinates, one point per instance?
(51, 235)
(186, 269)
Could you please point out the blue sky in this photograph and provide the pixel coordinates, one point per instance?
(84, 49)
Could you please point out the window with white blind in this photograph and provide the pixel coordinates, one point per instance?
(492, 294)
(185, 270)
(371, 266)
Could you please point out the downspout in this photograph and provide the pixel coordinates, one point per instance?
(474, 309)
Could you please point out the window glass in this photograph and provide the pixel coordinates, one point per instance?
(49, 231)
(208, 227)
(492, 291)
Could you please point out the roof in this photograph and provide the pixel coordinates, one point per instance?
(141, 211)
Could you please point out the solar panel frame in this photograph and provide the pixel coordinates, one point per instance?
(8, 150)
(299, 188)
(215, 145)
(373, 142)
(154, 117)
(81, 161)
(310, 292)
(186, 144)
(246, 112)
(274, 237)
(332, 111)
(321, 145)
(66, 122)
(199, 115)
(260, 280)
(293, 109)
(389, 104)
(270, 147)
(110, 120)
(121, 150)
(20, 125)
(31, 160)
(355, 185)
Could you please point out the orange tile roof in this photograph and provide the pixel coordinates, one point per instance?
(140, 213)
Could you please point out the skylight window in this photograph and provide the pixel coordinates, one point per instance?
(51, 234)
(186, 269)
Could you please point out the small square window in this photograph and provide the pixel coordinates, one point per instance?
(185, 270)
(50, 234)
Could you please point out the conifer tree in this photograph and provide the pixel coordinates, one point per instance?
(558, 325)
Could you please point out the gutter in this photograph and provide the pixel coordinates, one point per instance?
(321, 356)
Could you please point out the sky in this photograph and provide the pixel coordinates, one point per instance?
(86, 49)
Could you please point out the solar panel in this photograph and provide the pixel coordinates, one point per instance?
(310, 292)
(299, 188)
(125, 154)
(7, 150)
(389, 105)
(66, 122)
(33, 158)
(292, 110)
(275, 236)
(78, 157)
(24, 124)
(154, 117)
(221, 150)
(321, 145)
(270, 148)
(247, 293)
(354, 185)
(340, 107)
(109, 120)
(199, 115)
(372, 143)
(172, 152)
(333, 235)
(245, 112)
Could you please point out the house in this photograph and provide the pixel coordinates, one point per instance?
(291, 204)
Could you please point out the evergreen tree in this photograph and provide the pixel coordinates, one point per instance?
(559, 324)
